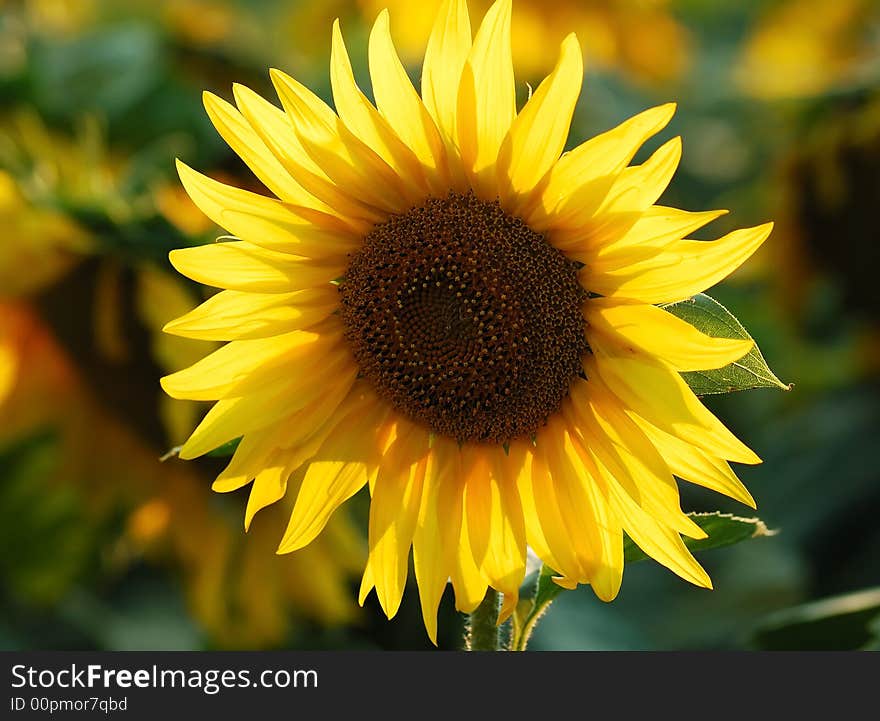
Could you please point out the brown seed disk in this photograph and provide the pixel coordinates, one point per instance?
(465, 319)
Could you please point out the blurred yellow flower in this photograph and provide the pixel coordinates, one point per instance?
(243, 595)
(640, 38)
(829, 186)
(202, 22)
(59, 17)
(177, 208)
(44, 242)
(41, 389)
(804, 47)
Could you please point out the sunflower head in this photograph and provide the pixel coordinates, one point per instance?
(465, 319)
(439, 305)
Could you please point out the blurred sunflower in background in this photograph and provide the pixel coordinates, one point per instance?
(828, 185)
(641, 39)
(806, 47)
(440, 307)
(83, 419)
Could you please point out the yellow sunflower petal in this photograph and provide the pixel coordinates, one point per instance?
(649, 180)
(595, 532)
(659, 395)
(400, 105)
(495, 523)
(467, 581)
(276, 130)
(683, 269)
(476, 467)
(239, 265)
(629, 455)
(394, 511)
(365, 121)
(652, 331)
(348, 162)
(236, 367)
(518, 466)
(486, 99)
(583, 176)
(367, 583)
(607, 574)
(264, 221)
(577, 224)
(303, 431)
(269, 487)
(446, 54)
(340, 468)
(696, 466)
(250, 456)
(648, 236)
(658, 541)
(238, 315)
(539, 133)
(240, 136)
(233, 417)
(562, 506)
(429, 555)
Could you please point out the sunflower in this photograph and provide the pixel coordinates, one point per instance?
(443, 307)
(801, 48)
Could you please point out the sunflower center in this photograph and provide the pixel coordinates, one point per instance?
(465, 319)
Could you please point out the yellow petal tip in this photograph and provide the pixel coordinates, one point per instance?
(175, 258)
(288, 545)
(211, 101)
(170, 326)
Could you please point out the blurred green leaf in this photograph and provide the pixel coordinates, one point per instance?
(722, 529)
(108, 71)
(149, 238)
(44, 539)
(842, 623)
(146, 614)
(713, 319)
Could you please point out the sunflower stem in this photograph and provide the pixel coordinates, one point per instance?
(482, 632)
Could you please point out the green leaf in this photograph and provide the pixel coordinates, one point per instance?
(842, 623)
(751, 371)
(224, 451)
(723, 529)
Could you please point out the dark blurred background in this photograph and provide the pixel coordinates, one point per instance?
(103, 546)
